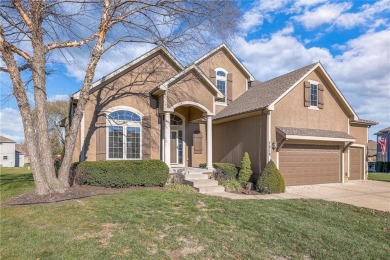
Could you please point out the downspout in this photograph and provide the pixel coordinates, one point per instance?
(268, 139)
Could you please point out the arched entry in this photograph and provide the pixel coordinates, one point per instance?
(187, 135)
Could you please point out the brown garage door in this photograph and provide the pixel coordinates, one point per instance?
(309, 164)
(356, 163)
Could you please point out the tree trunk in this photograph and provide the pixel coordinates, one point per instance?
(41, 184)
(39, 79)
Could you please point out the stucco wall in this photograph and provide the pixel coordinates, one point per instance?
(190, 88)
(291, 112)
(221, 60)
(129, 90)
(360, 134)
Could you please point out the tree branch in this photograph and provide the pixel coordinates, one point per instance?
(20, 68)
(56, 45)
(23, 14)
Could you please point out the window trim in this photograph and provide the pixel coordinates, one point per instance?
(221, 78)
(316, 83)
(183, 129)
(110, 122)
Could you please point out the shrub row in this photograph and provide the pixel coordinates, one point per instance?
(122, 174)
(382, 166)
(229, 170)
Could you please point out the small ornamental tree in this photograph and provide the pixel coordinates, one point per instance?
(271, 180)
(246, 170)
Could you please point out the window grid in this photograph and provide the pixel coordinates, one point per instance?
(124, 115)
(221, 85)
(124, 137)
(221, 80)
(115, 142)
(133, 142)
(314, 95)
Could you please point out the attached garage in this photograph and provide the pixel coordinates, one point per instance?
(356, 163)
(309, 164)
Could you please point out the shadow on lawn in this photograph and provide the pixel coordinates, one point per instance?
(12, 178)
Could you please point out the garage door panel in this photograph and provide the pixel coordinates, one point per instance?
(356, 163)
(309, 164)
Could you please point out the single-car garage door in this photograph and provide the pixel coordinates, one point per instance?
(356, 163)
(309, 164)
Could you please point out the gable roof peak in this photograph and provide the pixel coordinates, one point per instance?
(223, 46)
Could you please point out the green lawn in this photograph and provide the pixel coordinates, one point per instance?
(161, 224)
(379, 176)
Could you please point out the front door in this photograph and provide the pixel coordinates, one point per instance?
(176, 147)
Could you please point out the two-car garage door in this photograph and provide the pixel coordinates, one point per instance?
(309, 164)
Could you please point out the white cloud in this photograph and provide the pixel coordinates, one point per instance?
(362, 72)
(11, 124)
(259, 12)
(367, 17)
(308, 2)
(336, 14)
(323, 14)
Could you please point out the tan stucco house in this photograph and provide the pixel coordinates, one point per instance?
(214, 110)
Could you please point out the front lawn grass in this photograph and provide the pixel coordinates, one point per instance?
(379, 176)
(162, 224)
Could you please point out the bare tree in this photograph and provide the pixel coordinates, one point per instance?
(32, 30)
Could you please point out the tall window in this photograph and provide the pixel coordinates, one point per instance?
(221, 77)
(314, 94)
(124, 135)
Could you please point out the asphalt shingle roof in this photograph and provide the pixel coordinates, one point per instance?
(314, 132)
(384, 130)
(262, 94)
(6, 140)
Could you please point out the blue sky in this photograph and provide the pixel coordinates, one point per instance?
(350, 38)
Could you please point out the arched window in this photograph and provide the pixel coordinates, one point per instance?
(221, 82)
(124, 135)
(176, 120)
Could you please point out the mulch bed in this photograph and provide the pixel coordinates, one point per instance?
(76, 192)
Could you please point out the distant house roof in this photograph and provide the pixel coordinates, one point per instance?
(262, 94)
(291, 131)
(384, 130)
(371, 145)
(19, 149)
(6, 140)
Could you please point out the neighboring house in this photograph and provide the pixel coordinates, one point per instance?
(383, 148)
(7, 152)
(20, 156)
(214, 111)
(371, 155)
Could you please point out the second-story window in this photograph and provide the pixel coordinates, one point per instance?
(221, 82)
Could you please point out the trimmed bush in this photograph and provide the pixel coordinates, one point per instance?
(246, 170)
(230, 184)
(203, 165)
(229, 169)
(122, 174)
(218, 174)
(271, 180)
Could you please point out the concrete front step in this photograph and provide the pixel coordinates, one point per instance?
(211, 189)
(201, 183)
(196, 176)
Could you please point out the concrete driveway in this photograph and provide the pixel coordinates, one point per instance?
(367, 194)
